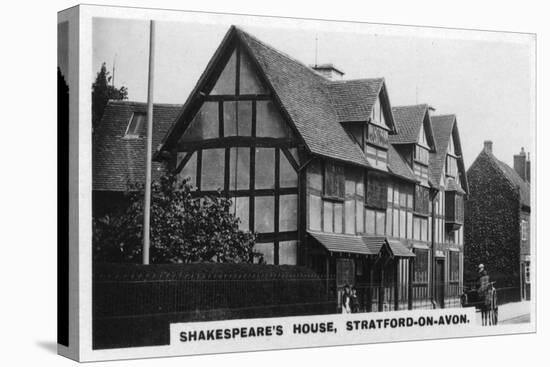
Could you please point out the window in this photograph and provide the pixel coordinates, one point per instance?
(334, 181)
(454, 266)
(377, 191)
(450, 166)
(421, 262)
(421, 155)
(377, 114)
(422, 200)
(377, 136)
(136, 125)
(524, 230)
(377, 157)
(422, 139)
(528, 272)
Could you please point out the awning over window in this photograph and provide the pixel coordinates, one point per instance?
(365, 245)
(398, 249)
(334, 242)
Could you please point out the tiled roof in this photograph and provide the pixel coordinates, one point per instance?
(515, 180)
(353, 99)
(335, 242)
(442, 127)
(398, 166)
(305, 95)
(408, 120)
(117, 160)
(398, 249)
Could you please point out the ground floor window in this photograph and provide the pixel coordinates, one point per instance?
(454, 266)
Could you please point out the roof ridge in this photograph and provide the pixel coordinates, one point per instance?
(425, 105)
(127, 102)
(495, 161)
(344, 81)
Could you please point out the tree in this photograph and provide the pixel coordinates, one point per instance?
(184, 229)
(102, 92)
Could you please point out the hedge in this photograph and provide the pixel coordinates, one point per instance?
(133, 305)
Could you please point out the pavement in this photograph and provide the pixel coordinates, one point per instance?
(514, 313)
(511, 313)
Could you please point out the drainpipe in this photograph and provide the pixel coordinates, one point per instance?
(433, 250)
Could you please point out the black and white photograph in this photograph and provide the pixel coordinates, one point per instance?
(254, 179)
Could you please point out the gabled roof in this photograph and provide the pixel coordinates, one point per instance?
(353, 99)
(408, 121)
(309, 101)
(517, 181)
(117, 160)
(510, 175)
(398, 166)
(444, 126)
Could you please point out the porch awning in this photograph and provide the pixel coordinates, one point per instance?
(374, 243)
(398, 249)
(335, 242)
(420, 245)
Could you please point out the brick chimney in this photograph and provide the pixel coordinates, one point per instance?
(488, 146)
(520, 165)
(329, 71)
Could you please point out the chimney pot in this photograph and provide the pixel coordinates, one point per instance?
(520, 164)
(488, 146)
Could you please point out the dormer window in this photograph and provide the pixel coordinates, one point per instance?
(135, 126)
(451, 166)
(377, 114)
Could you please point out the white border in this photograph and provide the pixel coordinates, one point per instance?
(84, 156)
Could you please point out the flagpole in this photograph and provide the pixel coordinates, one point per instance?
(149, 156)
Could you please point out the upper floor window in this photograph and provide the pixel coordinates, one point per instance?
(135, 126)
(377, 191)
(422, 139)
(377, 135)
(451, 147)
(377, 114)
(451, 166)
(421, 155)
(524, 230)
(334, 181)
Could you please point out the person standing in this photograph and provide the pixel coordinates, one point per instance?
(346, 300)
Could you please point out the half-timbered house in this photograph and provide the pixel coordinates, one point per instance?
(327, 173)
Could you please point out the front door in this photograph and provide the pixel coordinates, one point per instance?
(440, 283)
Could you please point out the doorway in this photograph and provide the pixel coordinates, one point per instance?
(440, 282)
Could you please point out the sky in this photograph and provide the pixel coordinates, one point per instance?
(484, 78)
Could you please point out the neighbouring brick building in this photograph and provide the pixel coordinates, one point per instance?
(324, 169)
(497, 224)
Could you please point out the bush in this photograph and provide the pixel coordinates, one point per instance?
(184, 228)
